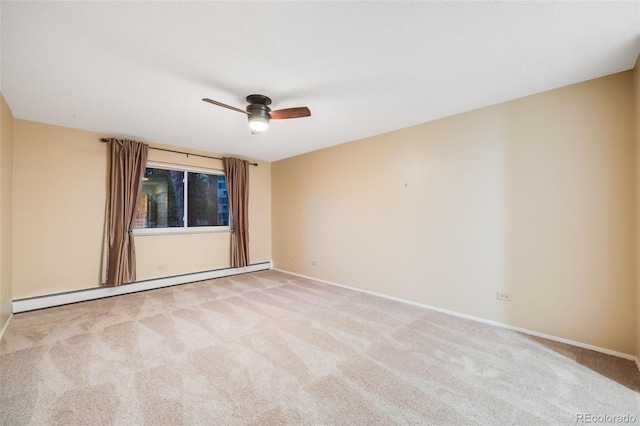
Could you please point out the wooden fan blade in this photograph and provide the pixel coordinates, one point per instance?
(211, 101)
(290, 113)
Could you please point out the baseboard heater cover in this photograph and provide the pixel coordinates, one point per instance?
(58, 299)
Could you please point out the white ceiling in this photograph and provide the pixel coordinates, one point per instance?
(140, 69)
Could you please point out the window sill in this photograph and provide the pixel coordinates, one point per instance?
(172, 231)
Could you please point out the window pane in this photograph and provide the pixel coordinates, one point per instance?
(207, 200)
(161, 200)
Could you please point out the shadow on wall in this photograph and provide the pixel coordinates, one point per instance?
(570, 203)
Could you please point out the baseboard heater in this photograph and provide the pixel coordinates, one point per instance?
(58, 299)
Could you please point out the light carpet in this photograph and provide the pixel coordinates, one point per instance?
(272, 348)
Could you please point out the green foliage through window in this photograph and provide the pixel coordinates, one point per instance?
(167, 194)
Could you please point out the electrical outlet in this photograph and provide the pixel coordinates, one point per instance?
(314, 263)
(503, 296)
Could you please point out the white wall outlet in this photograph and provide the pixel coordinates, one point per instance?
(314, 263)
(503, 296)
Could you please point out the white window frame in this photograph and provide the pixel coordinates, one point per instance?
(184, 229)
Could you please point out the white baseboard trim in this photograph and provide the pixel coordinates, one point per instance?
(6, 324)
(58, 299)
(478, 319)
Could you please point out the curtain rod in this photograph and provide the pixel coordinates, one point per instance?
(180, 152)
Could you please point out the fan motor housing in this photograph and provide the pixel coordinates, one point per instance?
(258, 106)
(259, 110)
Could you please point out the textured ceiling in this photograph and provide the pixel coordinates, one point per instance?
(140, 69)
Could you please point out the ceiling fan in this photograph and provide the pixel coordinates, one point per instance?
(259, 113)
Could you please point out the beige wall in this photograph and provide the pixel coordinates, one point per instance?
(59, 204)
(534, 197)
(636, 112)
(6, 210)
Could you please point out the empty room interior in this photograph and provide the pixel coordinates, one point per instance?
(319, 213)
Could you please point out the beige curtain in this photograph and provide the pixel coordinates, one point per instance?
(127, 164)
(237, 172)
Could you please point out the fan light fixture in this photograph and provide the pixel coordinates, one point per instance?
(258, 122)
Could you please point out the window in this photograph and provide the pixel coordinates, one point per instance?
(177, 199)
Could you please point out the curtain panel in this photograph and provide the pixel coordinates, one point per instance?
(237, 172)
(127, 165)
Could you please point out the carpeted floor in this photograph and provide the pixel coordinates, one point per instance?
(271, 348)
